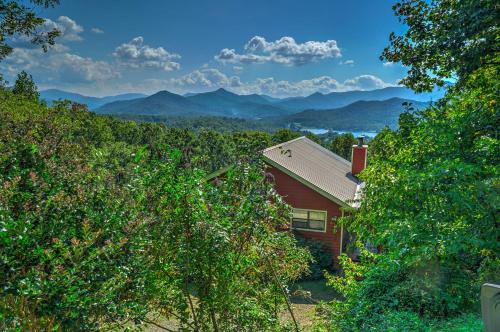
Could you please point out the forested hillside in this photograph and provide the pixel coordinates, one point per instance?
(360, 115)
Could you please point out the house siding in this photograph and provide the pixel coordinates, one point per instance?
(299, 196)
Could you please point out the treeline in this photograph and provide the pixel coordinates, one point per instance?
(217, 123)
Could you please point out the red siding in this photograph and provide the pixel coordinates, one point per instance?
(299, 196)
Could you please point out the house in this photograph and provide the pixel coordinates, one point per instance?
(317, 184)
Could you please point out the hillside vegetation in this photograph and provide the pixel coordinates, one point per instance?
(103, 222)
(431, 199)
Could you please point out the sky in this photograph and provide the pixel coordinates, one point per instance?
(274, 47)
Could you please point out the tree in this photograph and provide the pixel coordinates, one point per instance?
(342, 145)
(446, 39)
(17, 19)
(24, 86)
(432, 186)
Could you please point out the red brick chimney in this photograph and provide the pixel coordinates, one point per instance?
(359, 153)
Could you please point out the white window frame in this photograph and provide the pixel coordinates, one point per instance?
(309, 229)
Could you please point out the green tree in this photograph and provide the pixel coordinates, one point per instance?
(445, 39)
(342, 145)
(25, 86)
(19, 19)
(432, 186)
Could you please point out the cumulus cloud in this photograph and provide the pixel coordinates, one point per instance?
(136, 54)
(283, 88)
(58, 65)
(364, 82)
(205, 79)
(284, 51)
(388, 64)
(322, 84)
(238, 69)
(69, 29)
(97, 31)
(208, 79)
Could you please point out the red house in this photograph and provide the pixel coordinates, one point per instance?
(316, 183)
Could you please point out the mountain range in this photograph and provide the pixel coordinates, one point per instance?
(215, 103)
(355, 110)
(361, 115)
(52, 95)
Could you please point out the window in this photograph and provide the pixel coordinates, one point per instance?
(309, 220)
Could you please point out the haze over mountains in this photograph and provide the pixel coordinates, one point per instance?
(355, 110)
(52, 95)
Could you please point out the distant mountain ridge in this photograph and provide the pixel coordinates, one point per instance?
(339, 99)
(160, 103)
(351, 110)
(52, 95)
(362, 115)
(215, 103)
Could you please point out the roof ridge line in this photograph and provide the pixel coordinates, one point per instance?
(336, 156)
(283, 143)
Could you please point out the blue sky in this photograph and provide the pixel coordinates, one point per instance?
(280, 48)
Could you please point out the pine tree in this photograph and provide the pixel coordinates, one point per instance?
(25, 86)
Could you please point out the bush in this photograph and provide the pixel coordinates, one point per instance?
(322, 258)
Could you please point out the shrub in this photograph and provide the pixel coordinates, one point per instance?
(322, 258)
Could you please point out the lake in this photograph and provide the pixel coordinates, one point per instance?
(319, 131)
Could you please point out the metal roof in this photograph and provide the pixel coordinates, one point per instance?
(318, 168)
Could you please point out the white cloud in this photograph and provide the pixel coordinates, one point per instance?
(283, 88)
(205, 79)
(284, 51)
(136, 54)
(388, 64)
(97, 31)
(364, 82)
(238, 69)
(69, 29)
(347, 63)
(57, 65)
(208, 79)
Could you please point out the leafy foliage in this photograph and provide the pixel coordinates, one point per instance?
(445, 39)
(431, 198)
(25, 86)
(342, 145)
(106, 222)
(322, 258)
(19, 19)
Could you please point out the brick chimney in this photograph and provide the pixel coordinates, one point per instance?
(359, 153)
